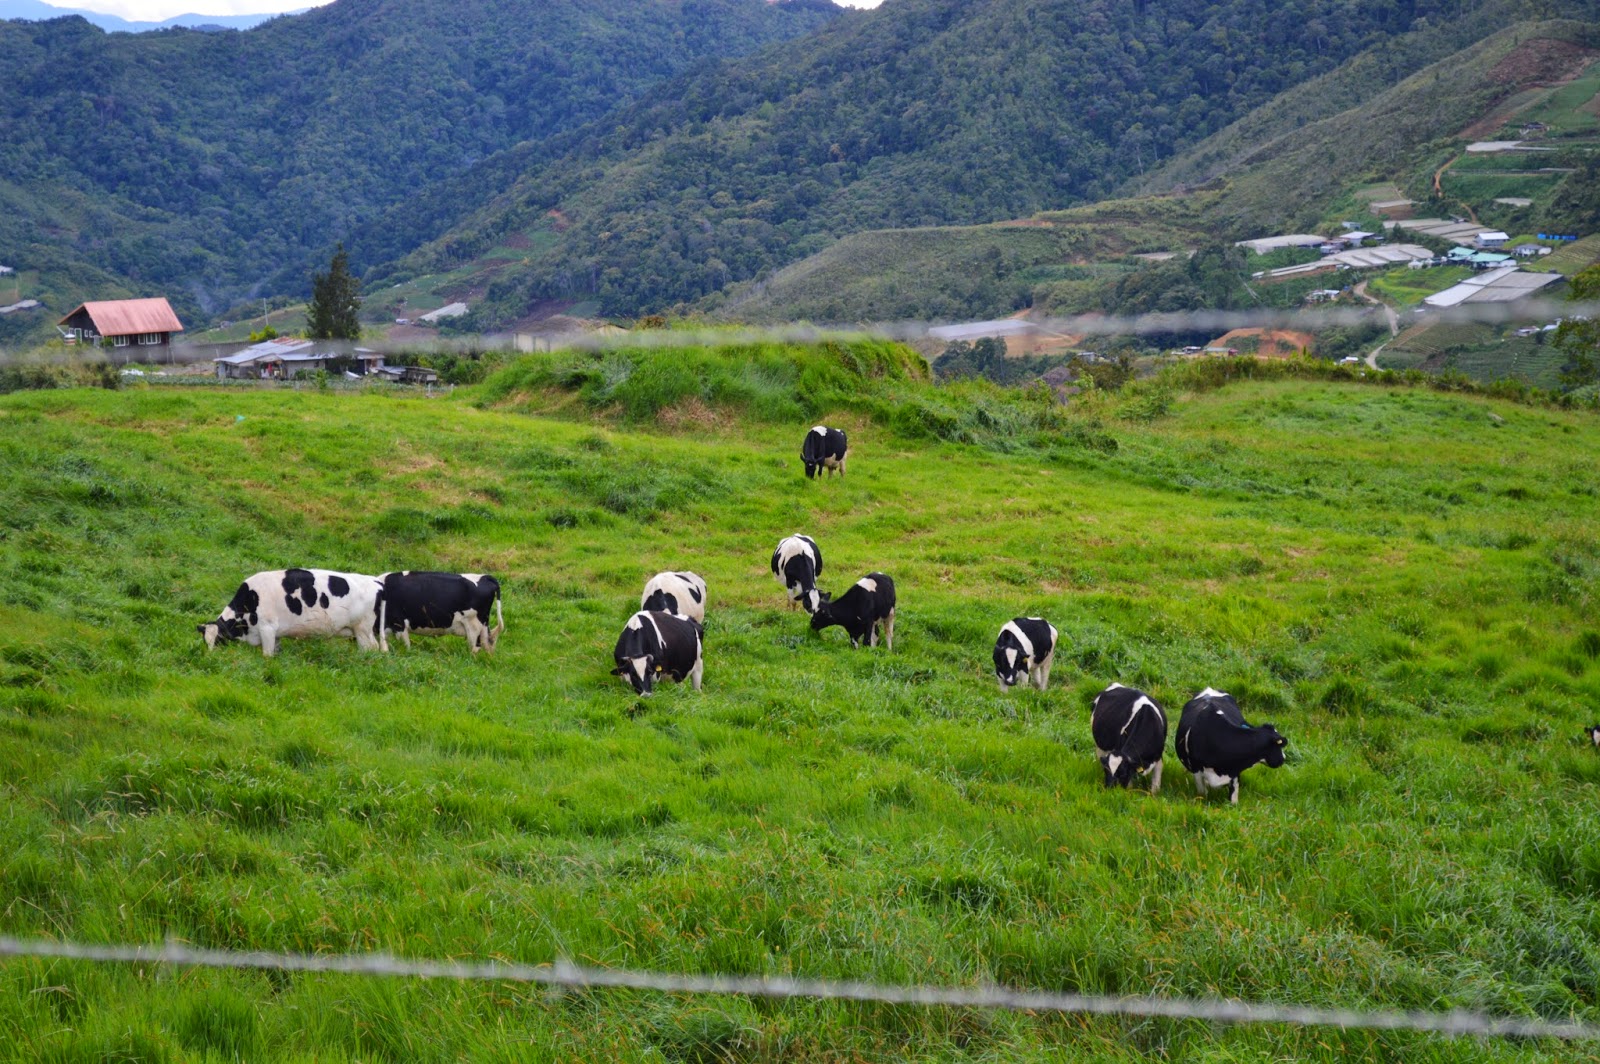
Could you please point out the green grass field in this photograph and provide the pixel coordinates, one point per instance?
(1406, 287)
(1403, 581)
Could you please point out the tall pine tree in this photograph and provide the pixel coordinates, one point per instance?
(335, 301)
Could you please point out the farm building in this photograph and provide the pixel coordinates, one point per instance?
(408, 374)
(122, 322)
(287, 357)
(1263, 245)
(1504, 285)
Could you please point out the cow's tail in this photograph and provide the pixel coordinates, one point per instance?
(499, 623)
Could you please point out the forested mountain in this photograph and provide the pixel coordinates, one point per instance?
(920, 112)
(202, 164)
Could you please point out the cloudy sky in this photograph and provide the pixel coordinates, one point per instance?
(156, 10)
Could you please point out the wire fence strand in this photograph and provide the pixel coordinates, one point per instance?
(564, 975)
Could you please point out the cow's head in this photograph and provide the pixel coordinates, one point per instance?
(811, 468)
(1594, 734)
(820, 605)
(1275, 744)
(1010, 664)
(1120, 770)
(640, 672)
(225, 628)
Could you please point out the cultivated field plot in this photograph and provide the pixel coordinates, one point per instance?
(1400, 582)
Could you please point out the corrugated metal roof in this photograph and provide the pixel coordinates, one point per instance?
(266, 349)
(130, 317)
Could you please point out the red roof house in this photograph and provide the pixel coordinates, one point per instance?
(123, 322)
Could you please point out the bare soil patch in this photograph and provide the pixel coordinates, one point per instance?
(1543, 61)
(1268, 343)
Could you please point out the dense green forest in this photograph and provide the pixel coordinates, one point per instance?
(921, 112)
(212, 165)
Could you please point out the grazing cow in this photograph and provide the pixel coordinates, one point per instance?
(824, 449)
(868, 605)
(1216, 744)
(797, 563)
(655, 642)
(1130, 731)
(1026, 647)
(424, 603)
(683, 593)
(289, 603)
(1594, 734)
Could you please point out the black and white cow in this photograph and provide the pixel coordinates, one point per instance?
(425, 603)
(861, 611)
(682, 593)
(1130, 732)
(824, 448)
(1594, 735)
(1216, 744)
(655, 642)
(797, 563)
(1026, 647)
(291, 603)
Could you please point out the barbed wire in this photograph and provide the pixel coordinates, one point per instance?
(564, 975)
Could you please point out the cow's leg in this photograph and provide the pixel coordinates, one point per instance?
(1234, 798)
(269, 642)
(872, 633)
(1200, 784)
(1044, 671)
(474, 631)
(499, 625)
(1155, 778)
(698, 671)
(405, 635)
(888, 631)
(1002, 684)
(365, 640)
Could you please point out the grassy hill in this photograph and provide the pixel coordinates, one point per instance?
(1404, 584)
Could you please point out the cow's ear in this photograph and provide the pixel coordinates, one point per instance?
(1282, 741)
(200, 628)
(616, 671)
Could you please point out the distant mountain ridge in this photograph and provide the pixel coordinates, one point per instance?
(34, 11)
(918, 113)
(213, 167)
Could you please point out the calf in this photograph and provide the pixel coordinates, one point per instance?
(290, 603)
(427, 603)
(1130, 732)
(682, 593)
(655, 642)
(868, 605)
(824, 448)
(797, 563)
(1216, 744)
(1026, 647)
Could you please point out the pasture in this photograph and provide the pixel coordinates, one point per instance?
(1402, 581)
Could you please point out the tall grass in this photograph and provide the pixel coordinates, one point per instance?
(1404, 585)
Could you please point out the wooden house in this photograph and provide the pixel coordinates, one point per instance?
(122, 323)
